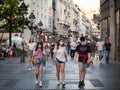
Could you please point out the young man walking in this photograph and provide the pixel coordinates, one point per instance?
(100, 48)
(83, 56)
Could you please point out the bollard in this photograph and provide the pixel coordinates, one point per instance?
(22, 57)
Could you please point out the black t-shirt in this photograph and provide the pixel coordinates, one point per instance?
(52, 47)
(107, 46)
(83, 49)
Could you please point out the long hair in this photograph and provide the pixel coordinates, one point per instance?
(31, 39)
(59, 44)
(39, 43)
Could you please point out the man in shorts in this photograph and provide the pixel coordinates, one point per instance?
(100, 48)
(83, 57)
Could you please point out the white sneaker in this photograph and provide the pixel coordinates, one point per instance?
(44, 67)
(58, 83)
(36, 81)
(33, 68)
(63, 83)
(30, 69)
(40, 83)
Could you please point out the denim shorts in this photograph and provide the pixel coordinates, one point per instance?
(40, 63)
(59, 62)
(100, 52)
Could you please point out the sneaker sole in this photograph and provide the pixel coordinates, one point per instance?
(63, 86)
(40, 86)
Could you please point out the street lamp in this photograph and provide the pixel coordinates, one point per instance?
(54, 9)
(22, 9)
(31, 17)
(40, 24)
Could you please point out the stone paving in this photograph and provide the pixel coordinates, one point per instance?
(100, 76)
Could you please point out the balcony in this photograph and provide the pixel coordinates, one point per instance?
(66, 23)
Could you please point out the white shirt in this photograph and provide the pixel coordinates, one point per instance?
(31, 46)
(73, 45)
(60, 53)
(100, 45)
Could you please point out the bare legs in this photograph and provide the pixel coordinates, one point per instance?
(60, 68)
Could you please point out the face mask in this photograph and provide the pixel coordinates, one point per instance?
(83, 43)
(39, 46)
(61, 43)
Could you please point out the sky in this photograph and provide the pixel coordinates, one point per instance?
(88, 4)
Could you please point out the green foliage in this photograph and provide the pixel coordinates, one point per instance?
(9, 11)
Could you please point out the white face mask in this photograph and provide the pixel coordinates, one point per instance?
(83, 43)
(61, 43)
(39, 46)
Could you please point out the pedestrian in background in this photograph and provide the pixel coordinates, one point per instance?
(7, 51)
(51, 49)
(39, 54)
(107, 49)
(1, 53)
(31, 47)
(47, 51)
(10, 52)
(82, 56)
(60, 57)
(68, 48)
(100, 48)
(73, 46)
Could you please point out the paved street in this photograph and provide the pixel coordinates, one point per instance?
(15, 76)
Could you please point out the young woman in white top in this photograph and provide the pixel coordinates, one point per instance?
(60, 57)
(31, 47)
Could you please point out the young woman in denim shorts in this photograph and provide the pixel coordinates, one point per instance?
(39, 53)
(60, 57)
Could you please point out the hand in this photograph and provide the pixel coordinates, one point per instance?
(66, 60)
(76, 62)
(90, 60)
(36, 61)
(53, 62)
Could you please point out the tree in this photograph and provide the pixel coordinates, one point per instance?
(9, 11)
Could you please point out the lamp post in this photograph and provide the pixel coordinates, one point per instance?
(31, 17)
(22, 9)
(40, 24)
(54, 9)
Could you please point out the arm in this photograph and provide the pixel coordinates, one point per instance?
(54, 55)
(44, 52)
(66, 55)
(76, 57)
(35, 53)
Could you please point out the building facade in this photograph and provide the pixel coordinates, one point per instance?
(110, 25)
(68, 17)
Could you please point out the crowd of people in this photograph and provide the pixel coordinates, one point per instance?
(81, 52)
(6, 51)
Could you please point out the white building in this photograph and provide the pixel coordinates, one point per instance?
(68, 16)
(42, 10)
(62, 16)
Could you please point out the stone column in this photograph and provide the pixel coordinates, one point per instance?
(112, 29)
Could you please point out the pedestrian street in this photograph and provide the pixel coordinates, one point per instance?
(15, 76)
